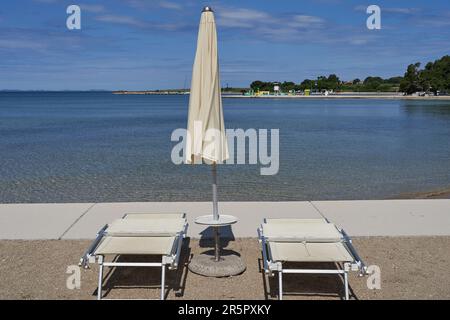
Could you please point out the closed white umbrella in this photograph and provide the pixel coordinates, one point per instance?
(206, 140)
(206, 130)
(205, 122)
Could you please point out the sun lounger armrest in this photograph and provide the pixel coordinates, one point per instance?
(84, 260)
(179, 242)
(262, 240)
(348, 243)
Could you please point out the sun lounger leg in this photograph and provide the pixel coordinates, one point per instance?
(346, 284)
(163, 278)
(280, 285)
(100, 279)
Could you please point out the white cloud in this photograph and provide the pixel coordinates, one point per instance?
(241, 18)
(358, 41)
(121, 19)
(401, 10)
(435, 22)
(134, 22)
(305, 21)
(46, 1)
(170, 5)
(21, 44)
(405, 11)
(144, 4)
(267, 26)
(265, 22)
(94, 8)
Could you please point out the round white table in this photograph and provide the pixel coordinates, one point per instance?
(208, 220)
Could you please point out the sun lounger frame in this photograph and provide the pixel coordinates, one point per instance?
(342, 269)
(170, 261)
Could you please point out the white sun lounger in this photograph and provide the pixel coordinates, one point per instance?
(139, 234)
(307, 240)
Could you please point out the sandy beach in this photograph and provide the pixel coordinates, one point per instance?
(411, 268)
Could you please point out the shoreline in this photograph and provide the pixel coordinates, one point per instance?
(331, 97)
(443, 193)
(386, 96)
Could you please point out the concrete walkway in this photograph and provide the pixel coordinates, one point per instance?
(358, 218)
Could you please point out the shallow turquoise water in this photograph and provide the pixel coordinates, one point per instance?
(75, 147)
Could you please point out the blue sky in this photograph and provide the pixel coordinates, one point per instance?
(138, 44)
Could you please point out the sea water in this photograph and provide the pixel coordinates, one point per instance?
(98, 147)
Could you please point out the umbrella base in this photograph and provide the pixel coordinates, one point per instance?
(228, 265)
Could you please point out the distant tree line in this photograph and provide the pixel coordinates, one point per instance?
(435, 77)
(332, 82)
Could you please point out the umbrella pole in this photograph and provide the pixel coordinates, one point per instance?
(215, 213)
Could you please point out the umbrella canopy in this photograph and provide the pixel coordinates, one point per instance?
(206, 130)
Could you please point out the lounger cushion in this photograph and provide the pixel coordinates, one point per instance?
(136, 227)
(154, 215)
(295, 232)
(309, 252)
(136, 245)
